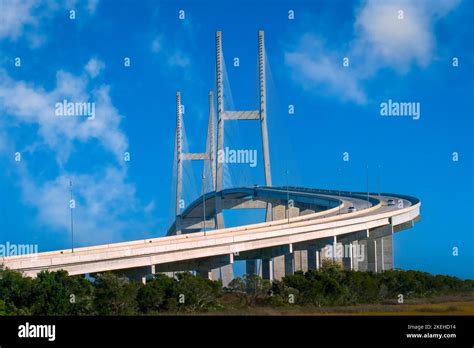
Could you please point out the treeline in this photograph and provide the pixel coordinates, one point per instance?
(56, 293)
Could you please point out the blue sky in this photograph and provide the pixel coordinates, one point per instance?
(337, 110)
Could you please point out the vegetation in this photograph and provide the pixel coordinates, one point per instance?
(56, 293)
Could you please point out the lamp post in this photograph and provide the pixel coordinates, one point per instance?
(340, 177)
(378, 179)
(367, 178)
(204, 204)
(72, 205)
(287, 196)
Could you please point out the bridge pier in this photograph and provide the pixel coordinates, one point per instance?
(300, 259)
(224, 273)
(309, 255)
(313, 258)
(379, 250)
(215, 268)
(251, 267)
(387, 249)
(294, 260)
(283, 266)
(267, 269)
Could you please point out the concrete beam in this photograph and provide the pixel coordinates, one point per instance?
(195, 264)
(403, 226)
(354, 236)
(197, 223)
(243, 204)
(382, 231)
(264, 253)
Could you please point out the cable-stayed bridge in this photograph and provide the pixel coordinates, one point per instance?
(302, 227)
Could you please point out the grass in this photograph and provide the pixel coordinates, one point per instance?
(442, 305)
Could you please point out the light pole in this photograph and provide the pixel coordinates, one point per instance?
(204, 204)
(287, 196)
(367, 177)
(378, 179)
(72, 204)
(340, 177)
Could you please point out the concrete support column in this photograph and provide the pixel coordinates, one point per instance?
(282, 266)
(379, 249)
(300, 258)
(224, 273)
(387, 252)
(313, 258)
(337, 251)
(372, 255)
(267, 269)
(251, 267)
(310, 254)
(293, 212)
(357, 254)
(204, 273)
(278, 212)
(362, 263)
(347, 258)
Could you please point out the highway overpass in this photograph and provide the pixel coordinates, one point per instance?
(289, 243)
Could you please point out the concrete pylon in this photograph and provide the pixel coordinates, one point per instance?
(209, 155)
(223, 115)
(263, 108)
(179, 165)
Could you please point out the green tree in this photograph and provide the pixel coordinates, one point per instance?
(57, 293)
(257, 289)
(115, 295)
(158, 294)
(16, 292)
(196, 293)
(2, 308)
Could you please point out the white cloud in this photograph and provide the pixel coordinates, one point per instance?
(313, 66)
(381, 40)
(105, 197)
(92, 6)
(173, 56)
(31, 104)
(103, 201)
(399, 33)
(14, 16)
(94, 67)
(23, 18)
(179, 59)
(156, 44)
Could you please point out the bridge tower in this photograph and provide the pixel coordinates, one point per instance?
(181, 156)
(225, 115)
